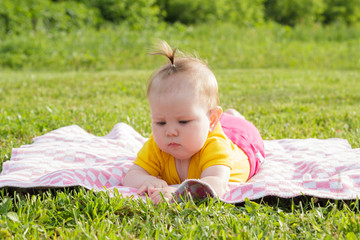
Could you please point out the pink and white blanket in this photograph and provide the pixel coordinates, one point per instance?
(70, 156)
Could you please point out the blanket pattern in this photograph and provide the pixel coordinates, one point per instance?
(69, 156)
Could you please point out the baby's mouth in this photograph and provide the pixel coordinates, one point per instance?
(172, 144)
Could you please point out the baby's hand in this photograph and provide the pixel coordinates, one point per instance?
(151, 183)
(166, 192)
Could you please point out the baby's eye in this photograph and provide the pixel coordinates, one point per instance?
(161, 123)
(184, 122)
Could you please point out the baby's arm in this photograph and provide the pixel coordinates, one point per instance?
(139, 178)
(218, 177)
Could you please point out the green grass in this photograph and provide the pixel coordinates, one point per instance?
(292, 83)
(80, 214)
(282, 103)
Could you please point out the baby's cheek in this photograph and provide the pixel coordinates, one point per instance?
(157, 138)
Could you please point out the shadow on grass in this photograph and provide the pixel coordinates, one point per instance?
(303, 202)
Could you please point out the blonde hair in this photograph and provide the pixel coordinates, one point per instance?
(202, 79)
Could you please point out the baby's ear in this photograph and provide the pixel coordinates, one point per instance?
(215, 115)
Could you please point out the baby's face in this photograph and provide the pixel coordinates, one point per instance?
(180, 123)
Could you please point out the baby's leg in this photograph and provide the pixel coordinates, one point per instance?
(235, 113)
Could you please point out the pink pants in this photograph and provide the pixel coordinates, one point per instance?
(246, 136)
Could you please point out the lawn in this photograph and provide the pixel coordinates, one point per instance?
(282, 101)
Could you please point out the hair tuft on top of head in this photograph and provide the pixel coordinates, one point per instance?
(163, 48)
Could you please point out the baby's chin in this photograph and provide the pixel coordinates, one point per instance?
(182, 157)
(179, 152)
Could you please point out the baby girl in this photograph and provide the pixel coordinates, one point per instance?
(191, 136)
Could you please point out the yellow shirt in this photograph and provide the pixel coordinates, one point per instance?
(217, 150)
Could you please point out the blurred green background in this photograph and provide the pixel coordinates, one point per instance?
(61, 35)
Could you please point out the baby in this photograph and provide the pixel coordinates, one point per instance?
(191, 137)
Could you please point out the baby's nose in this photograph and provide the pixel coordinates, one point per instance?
(170, 131)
